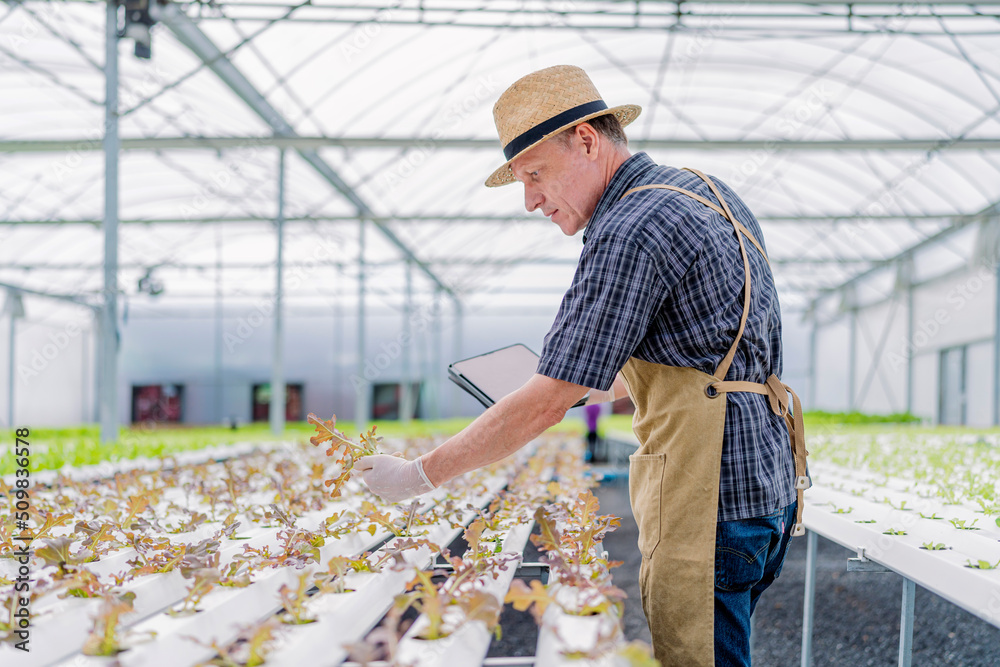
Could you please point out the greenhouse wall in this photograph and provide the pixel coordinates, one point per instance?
(53, 367)
(925, 386)
(979, 396)
(320, 353)
(951, 345)
(830, 383)
(880, 377)
(795, 352)
(177, 347)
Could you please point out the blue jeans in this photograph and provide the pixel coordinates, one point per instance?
(748, 557)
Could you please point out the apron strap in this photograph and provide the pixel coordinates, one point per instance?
(776, 391)
(777, 395)
(715, 207)
(728, 215)
(723, 368)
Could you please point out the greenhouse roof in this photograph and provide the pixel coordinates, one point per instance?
(854, 132)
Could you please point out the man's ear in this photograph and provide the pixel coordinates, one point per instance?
(588, 135)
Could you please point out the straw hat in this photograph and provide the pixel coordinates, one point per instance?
(543, 104)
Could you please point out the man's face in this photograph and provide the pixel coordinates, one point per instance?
(563, 180)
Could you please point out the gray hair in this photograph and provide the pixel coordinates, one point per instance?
(606, 125)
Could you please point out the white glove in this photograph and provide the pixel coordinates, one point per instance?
(393, 478)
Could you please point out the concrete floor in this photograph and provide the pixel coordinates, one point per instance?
(857, 614)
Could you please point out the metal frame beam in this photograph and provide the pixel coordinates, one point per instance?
(77, 300)
(362, 388)
(809, 601)
(285, 137)
(996, 346)
(13, 308)
(629, 9)
(956, 225)
(276, 406)
(427, 6)
(852, 359)
(906, 622)
(406, 402)
(848, 3)
(191, 36)
(387, 295)
(907, 275)
(108, 345)
(838, 16)
(476, 218)
(430, 261)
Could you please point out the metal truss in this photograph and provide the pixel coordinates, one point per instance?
(809, 16)
(904, 255)
(440, 261)
(306, 144)
(194, 39)
(473, 218)
(946, 18)
(68, 298)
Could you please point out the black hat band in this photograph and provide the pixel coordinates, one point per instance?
(522, 141)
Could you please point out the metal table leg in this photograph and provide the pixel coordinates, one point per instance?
(809, 604)
(906, 623)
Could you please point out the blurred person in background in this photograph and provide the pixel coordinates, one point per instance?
(592, 414)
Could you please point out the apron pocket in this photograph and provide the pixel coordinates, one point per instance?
(645, 477)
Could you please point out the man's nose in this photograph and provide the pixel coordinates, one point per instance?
(532, 199)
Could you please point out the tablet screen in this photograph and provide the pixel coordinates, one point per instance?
(500, 372)
(491, 376)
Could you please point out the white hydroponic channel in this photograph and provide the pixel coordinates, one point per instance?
(261, 522)
(924, 505)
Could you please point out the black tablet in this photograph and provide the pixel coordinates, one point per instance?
(491, 376)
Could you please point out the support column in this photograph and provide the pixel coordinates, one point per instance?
(456, 392)
(813, 403)
(435, 375)
(406, 385)
(85, 385)
(910, 348)
(13, 308)
(906, 623)
(217, 393)
(277, 405)
(338, 348)
(337, 337)
(109, 315)
(361, 387)
(10, 366)
(910, 323)
(809, 603)
(95, 394)
(852, 359)
(996, 347)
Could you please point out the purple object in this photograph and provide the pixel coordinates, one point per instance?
(593, 411)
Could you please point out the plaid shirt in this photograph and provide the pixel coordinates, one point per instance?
(661, 278)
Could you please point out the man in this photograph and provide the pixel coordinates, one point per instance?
(668, 292)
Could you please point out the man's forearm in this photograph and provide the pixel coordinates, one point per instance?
(503, 429)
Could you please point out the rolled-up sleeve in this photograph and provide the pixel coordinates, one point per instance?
(616, 292)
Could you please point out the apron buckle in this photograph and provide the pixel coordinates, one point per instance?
(803, 482)
(799, 529)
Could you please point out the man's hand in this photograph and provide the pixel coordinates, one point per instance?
(504, 428)
(393, 478)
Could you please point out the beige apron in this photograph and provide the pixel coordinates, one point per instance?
(674, 478)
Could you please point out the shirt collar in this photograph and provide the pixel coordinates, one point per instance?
(621, 181)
